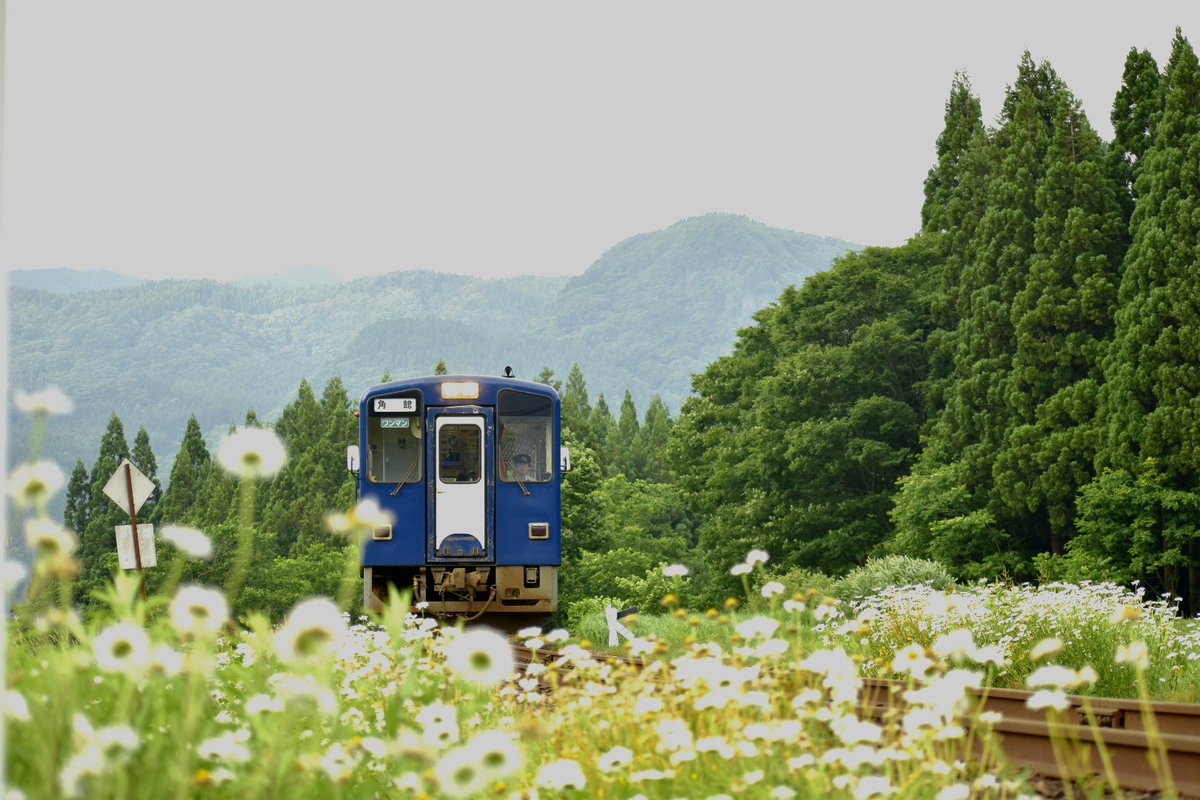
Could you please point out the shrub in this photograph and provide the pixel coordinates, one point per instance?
(881, 573)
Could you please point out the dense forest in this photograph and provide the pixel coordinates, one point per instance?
(1014, 392)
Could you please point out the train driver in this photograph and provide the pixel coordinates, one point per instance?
(522, 464)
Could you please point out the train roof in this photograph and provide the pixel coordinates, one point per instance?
(489, 387)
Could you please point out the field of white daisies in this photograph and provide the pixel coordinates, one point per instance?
(170, 697)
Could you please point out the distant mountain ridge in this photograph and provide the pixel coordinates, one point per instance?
(650, 312)
(69, 281)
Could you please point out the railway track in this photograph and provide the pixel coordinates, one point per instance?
(1149, 747)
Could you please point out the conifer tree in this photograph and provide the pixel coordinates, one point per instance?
(1149, 415)
(98, 539)
(577, 407)
(76, 514)
(963, 120)
(1063, 317)
(440, 369)
(628, 456)
(1135, 109)
(546, 376)
(653, 441)
(143, 458)
(604, 433)
(187, 474)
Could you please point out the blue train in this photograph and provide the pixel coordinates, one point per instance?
(470, 468)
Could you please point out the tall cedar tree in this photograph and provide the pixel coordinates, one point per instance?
(654, 434)
(143, 458)
(1149, 407)
(98, 540)
(604, 434)
(577, 407)
(1063, 318)
(955, 199)
(191, 464)
(77, 511)
(1134, 113)
(628, 457)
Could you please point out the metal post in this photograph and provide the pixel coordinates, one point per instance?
(137, 548)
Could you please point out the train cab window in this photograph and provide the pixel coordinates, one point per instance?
(526, 437)
(460, 453)
(394, 439)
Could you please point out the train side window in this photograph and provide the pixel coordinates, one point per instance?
(394, 440)
(526, 437)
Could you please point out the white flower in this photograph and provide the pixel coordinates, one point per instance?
(772, 589)
(197, 611)
(756, 558)
(460, 773)
(189, 541)
(1045, 647)
(1048, 698)
(873, 786)
(47, 538)
(740, 569)
(496, 753)
(365, 516)
(615, 759)
(1051, 675)
(959, 791)
(252, 453)
(956, 644)
(758, 626)
(1135, 654)
(481, 656)
(562, 774)
(312, 628)
(123, 647)
(15, 706)
(557, 635)
(912, 660)
(263, 704)
(166, 660)
(31, 484)
(675, 571)
(48, 401)
(228, 747)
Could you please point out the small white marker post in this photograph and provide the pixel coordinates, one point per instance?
(129, 489)
(615, 627)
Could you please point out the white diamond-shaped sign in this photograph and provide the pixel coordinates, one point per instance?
(125, 555)
(118, 491)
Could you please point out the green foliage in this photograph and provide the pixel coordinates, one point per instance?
(891, 571)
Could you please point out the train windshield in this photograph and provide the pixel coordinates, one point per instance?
(394, 439)
(526, 437)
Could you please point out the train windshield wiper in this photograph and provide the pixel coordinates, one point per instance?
(404, 480)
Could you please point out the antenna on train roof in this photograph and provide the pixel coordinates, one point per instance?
(508, 373)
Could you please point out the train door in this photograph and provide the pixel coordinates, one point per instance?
(460, 519)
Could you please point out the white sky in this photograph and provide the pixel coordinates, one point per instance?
(495, 138)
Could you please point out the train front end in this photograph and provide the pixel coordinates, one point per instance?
(470, 470)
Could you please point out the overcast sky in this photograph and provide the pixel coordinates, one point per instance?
(496, 138)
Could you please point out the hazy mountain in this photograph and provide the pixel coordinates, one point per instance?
(294, 278)
(68, 281)
(646, 315)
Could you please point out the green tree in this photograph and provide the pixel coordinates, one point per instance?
(191, 463)
(1148, 413)
(628, 456)
(143, 458)
(1063, 317)
(604, 434)
(77, 511)
(963, 121)
(440, 369)
(653, 441)
(546, 377)
(98, 539)
(577, 407)
(1135, 110)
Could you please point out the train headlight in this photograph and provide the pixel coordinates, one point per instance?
(460, 390)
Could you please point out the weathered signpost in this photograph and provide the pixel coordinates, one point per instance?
(129, 489)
